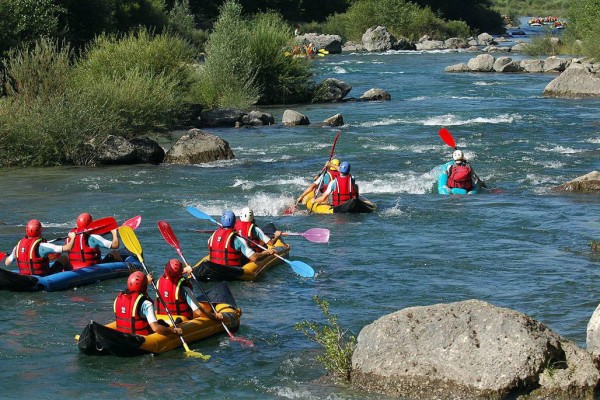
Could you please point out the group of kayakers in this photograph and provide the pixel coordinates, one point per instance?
(334, 185)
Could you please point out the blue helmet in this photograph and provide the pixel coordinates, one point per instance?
(345, 168)
(228, 219)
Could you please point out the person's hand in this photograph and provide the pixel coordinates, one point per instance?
(149, 278)
(187, 270)
(219, 316)
(239, 312)
(177, 331)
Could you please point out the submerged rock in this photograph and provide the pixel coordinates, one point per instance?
(469, 350)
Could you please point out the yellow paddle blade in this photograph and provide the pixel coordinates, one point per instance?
(194, 354)
(323, 51)
(131, 241)
(321, 55)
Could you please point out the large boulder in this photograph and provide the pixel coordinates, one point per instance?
(292, 118)
(485, 39)
(197, 147)
(334, 120)
(469, 350)
(257, 118)
(116, 150)
(532, 65)
(426, 43)
(507, 64)
(378, 39)
(455, 43)
(221, 117)
(331, 90)
(482, 63)
(462, 67)
(575, 82)
(376, 94)
(403, 44)
(588, 183)
(556, 64)
(331, 43)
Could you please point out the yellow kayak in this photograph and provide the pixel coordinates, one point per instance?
(356, 205)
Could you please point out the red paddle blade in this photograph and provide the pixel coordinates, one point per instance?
(134, 222)
(447, 137)
(241, 340)
(100, 226)
(167, 232)
(2, 255)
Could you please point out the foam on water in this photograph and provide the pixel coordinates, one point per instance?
(263, 204)
(339, 70)
(559, 149)
(400, 182)
(451, 120)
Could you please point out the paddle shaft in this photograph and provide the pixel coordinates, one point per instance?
(324, 169)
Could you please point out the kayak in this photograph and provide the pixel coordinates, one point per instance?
(16, 282)
(206, 271)
(352, 206)
(98, 339)
(443, 179)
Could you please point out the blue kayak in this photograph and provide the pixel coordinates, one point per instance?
(443, 179)
(16, 282)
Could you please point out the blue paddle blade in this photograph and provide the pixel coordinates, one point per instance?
(302, 269)
(199, 214)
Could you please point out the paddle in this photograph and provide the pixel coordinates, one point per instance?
(133, 245)
(299, 267)
(2, 255)
(317, 235)
(98, 227)
(167, 233)
(449, 140)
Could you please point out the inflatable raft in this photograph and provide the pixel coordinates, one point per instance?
(98, 339)
(206, 271)
(16, 282)
(443, 180)
(352, 206)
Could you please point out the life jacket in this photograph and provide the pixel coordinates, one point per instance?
(246, 230)
(82, 255)
(331, 176)
(221, 249)
(129, 319)
(460, 176)
(345, 189)
(28, 257)
(172, 294)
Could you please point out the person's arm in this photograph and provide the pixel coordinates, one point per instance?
(197, 309)
(326, 194)
(11, 257)
(148, 311)
(241, 245)
(309, 189)
(264, 238)
(46, 249)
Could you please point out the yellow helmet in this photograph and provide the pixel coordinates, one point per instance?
(334, 164)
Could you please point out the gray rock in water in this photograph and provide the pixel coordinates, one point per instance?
(197, 147)
(291, 118)
(403, 44)
(256, 118)
(577, 81)
(485, 39)
(376, 94)
(592, 339)
(378, 39)
(331, 90)
(469, 350)
(331, 43)
(221, 117)
(462, 67)
(532, 65)
(507, 64)
(556, 64)
(335, 120)
(482, 63)
(116, 150)
(456, 43)
(431, 45)
(587, 183)
(148, 151)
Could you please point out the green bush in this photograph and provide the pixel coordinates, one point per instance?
(583, 21)
(181, 22)
(543, 45)
(337, 346)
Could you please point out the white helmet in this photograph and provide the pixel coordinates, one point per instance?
(458, 155)
(247, 215)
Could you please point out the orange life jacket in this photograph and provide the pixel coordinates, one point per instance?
(128, 314)
(172, 294)
(345, 189)
(28, 258)
(82, 255)
(460, 176)
(221, 250)
(246, 230)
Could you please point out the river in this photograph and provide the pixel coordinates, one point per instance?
(519, 246)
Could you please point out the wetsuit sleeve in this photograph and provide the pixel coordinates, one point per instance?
(189, 298)
(148, 311)
(11, 257)
(98, 241)
(241, 245)
(49, 248)
(261, 235)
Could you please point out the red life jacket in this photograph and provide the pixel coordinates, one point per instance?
(82, 255)
(221, 249)
(332, 175)
(128, 314)
(345, 189)
(246, 230)
(460, 176)
(172, 293)
(29, 260)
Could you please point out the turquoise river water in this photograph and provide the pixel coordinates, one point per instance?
(519, 246)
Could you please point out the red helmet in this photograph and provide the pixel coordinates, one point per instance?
(83, 220)
(33, 228)
(174, 269)
(137, 282)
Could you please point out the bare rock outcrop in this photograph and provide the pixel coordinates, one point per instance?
(197, 147)
(378, 39)
(470, 350)
(588, 183)
(577, 81)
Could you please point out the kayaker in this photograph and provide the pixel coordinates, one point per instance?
(134, 311)
(319, 185)
(32, 252)
(461, 174)
(246, 228)
(178, 295)
(86, 247)
(342, 188)
(226, 248)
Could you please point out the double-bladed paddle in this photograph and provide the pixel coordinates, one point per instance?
(317, 235)
(104, 225)
(299, 267)
(133, 245)
(169, 236)
(449, 140)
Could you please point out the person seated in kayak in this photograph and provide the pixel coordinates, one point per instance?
(342, 188)
(319, 185)
(246, 228)
(134, 311)
(226, 247)
(86, 247)
(177, 293)
(32, 253)
(461, 174)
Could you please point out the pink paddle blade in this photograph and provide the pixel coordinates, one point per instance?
(134, 222)
(241, 340)
(317, 235)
